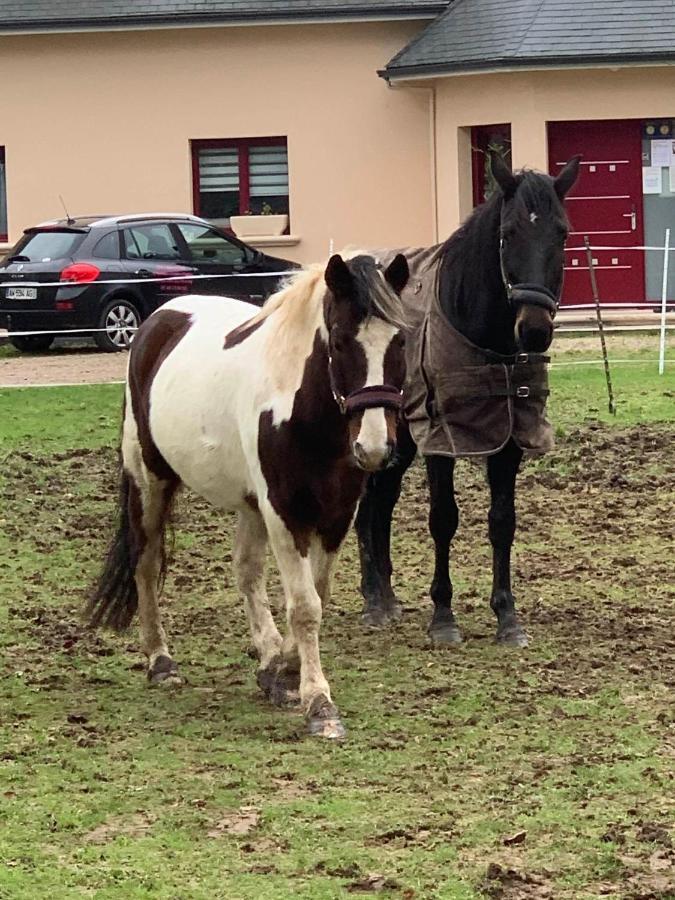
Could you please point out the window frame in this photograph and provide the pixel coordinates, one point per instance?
(4, 235)
(480, 139)
(243, 146)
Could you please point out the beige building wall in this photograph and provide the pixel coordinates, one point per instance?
(105, 119)
(529, 100)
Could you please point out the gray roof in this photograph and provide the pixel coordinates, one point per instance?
(496, 34)
(37, 15)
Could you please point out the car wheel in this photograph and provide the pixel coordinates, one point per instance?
(33, 343)
(119, 319)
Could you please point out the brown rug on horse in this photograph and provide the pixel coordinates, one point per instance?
(460, 399)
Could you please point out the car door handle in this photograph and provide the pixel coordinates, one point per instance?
(143, 273)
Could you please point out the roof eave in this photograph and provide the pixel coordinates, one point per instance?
(128, 23)
(483, 67)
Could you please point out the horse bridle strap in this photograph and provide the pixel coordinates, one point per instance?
(373, 396)
(370, 397)
(527, 294)
(533, 295)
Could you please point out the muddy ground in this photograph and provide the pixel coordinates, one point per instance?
(595, 577)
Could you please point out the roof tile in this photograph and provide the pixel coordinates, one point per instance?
(480, 34)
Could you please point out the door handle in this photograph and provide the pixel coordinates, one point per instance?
(633, 218)
(143, 273)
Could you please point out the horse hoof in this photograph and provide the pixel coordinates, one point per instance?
(323, 720)
(512, 635)
(445, 635)
(380, 617)
(164, 671)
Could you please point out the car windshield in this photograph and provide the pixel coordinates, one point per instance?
(44, 246)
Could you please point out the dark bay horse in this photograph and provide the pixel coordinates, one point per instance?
(496, 286)
(278, 415)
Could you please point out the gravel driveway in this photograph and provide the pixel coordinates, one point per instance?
(62, 366)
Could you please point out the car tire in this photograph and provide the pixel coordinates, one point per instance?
(119, 318)
(33, 343)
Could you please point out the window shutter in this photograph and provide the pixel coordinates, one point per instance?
(218, 170)
(268, 171)
(3, 199)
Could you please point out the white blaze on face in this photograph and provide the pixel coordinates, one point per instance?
(370, 446)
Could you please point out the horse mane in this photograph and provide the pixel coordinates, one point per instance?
(298, 302)
(466, 268)
(470, 268)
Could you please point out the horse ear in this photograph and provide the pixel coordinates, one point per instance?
(338, 277)
(569, 174)
(503, 175)
(397, 273)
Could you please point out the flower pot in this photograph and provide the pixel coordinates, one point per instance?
(258, 226)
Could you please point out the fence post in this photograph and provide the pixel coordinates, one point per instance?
(664, 295)
(596, 298)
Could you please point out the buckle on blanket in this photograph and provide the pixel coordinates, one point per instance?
(523, 390)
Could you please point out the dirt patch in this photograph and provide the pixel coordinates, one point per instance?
(240, 822)
(119, 826)
(63, 366)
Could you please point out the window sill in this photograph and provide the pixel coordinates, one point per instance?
(273, 240)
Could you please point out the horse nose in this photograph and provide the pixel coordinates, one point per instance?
(534, 339)
(372, 460)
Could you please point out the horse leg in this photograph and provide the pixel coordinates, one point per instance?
(443, 522)
(136, 560)
(502, 469)
(373, 528)
(322, 569)
(156, 497)
(249, 561)
(303, 613)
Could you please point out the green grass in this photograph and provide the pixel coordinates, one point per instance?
(111, 790)
(89, 416)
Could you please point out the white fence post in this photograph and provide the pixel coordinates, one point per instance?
(664, 295)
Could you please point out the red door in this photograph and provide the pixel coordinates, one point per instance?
(606, 205)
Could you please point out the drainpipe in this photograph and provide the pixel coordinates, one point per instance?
(431, 93)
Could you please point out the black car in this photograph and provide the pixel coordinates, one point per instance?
(83, 255)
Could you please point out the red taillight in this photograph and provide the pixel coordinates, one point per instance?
(64, 305)
(80, 273)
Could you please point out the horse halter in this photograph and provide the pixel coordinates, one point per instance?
(372, 396)
(527, 294)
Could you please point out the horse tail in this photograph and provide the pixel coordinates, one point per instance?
(114, 599)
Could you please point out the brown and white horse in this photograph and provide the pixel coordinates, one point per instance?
(279, 417)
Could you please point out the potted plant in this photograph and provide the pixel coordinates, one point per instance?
(267, 223)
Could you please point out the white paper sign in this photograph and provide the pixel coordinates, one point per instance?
(651, 179)
(662, 153)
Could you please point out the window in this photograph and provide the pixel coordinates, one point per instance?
(150, 242)
(3, 197)
(108, 247)
(44, 246)
(486, 139)
(207, 246)
(232, 177)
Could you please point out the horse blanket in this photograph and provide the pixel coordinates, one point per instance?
(460, 399)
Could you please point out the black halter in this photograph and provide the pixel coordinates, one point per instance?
(527, 294)
(371, 396)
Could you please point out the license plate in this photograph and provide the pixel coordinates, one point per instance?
(21, 293)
